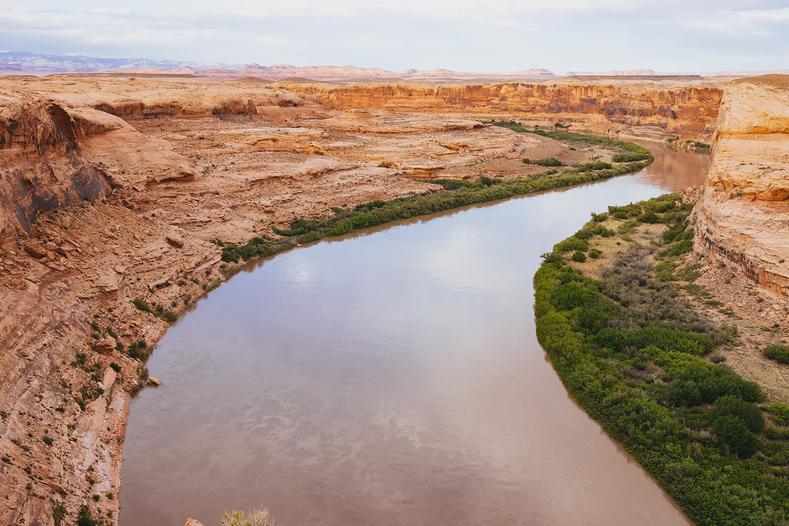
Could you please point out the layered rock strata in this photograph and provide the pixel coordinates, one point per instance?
(743, 217)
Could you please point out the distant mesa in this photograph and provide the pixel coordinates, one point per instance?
(23, 62)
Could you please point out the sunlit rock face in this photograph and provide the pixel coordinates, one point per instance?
(657, 109)
(744, 213)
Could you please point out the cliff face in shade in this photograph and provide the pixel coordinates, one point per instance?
(53, 156)
(743, 217)
(658, 109)
(77, 145)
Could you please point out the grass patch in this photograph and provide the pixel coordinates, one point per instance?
(632, 353)
(777, 353)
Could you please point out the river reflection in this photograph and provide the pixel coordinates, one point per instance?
(391, 378)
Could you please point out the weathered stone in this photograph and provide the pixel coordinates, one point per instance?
(175, 240)
(104, 345)
(36, 250)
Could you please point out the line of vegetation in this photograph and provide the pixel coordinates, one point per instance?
(628, 151)
(455, 194)
(634, 355)
(688, 145)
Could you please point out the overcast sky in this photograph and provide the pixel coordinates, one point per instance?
(468, 35)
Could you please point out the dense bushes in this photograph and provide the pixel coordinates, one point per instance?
(597, 165)
(729, 405)
(551, 161)
(735, 436)
(703, 383)
(262, 246)
(631, 353)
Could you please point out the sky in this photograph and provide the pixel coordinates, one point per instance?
(467, 35)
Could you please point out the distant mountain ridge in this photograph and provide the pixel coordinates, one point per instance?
(24, 62)
(27, 62)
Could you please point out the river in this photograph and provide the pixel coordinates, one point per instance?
(389, 378)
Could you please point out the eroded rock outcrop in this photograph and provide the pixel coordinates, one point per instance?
(53, 156)
(744, 214)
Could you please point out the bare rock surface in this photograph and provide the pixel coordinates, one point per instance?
(744, 214)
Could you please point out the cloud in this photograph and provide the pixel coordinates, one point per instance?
(480, 35)
(739, 21)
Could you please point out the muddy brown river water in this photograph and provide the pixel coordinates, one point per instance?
(389, 378)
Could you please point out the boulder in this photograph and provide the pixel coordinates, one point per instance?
(104, 345)
(36, 250)
(175, 240)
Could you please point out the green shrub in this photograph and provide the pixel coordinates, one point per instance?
(142, 305)
(627, 226)
(703, 383)
(85, 518)
(596, 165)
(514, 126)
(649, 217)
(138, 350)
(778, 353)
(579, 256)
(551, 161)
(678, 248)
(572, 244)
(750, 415)
(629, 157)
(595, 254)
(780, 413)
(58, 512)
(734, 436)
(599, 218)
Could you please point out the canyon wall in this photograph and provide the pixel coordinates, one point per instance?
(743, 217)
(76, 143)
(653, 109)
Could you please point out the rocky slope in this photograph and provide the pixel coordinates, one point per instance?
(743, 218)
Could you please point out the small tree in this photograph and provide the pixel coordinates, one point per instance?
(735, 436)
(750, 415)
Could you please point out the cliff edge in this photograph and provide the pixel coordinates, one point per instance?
(743, 217)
